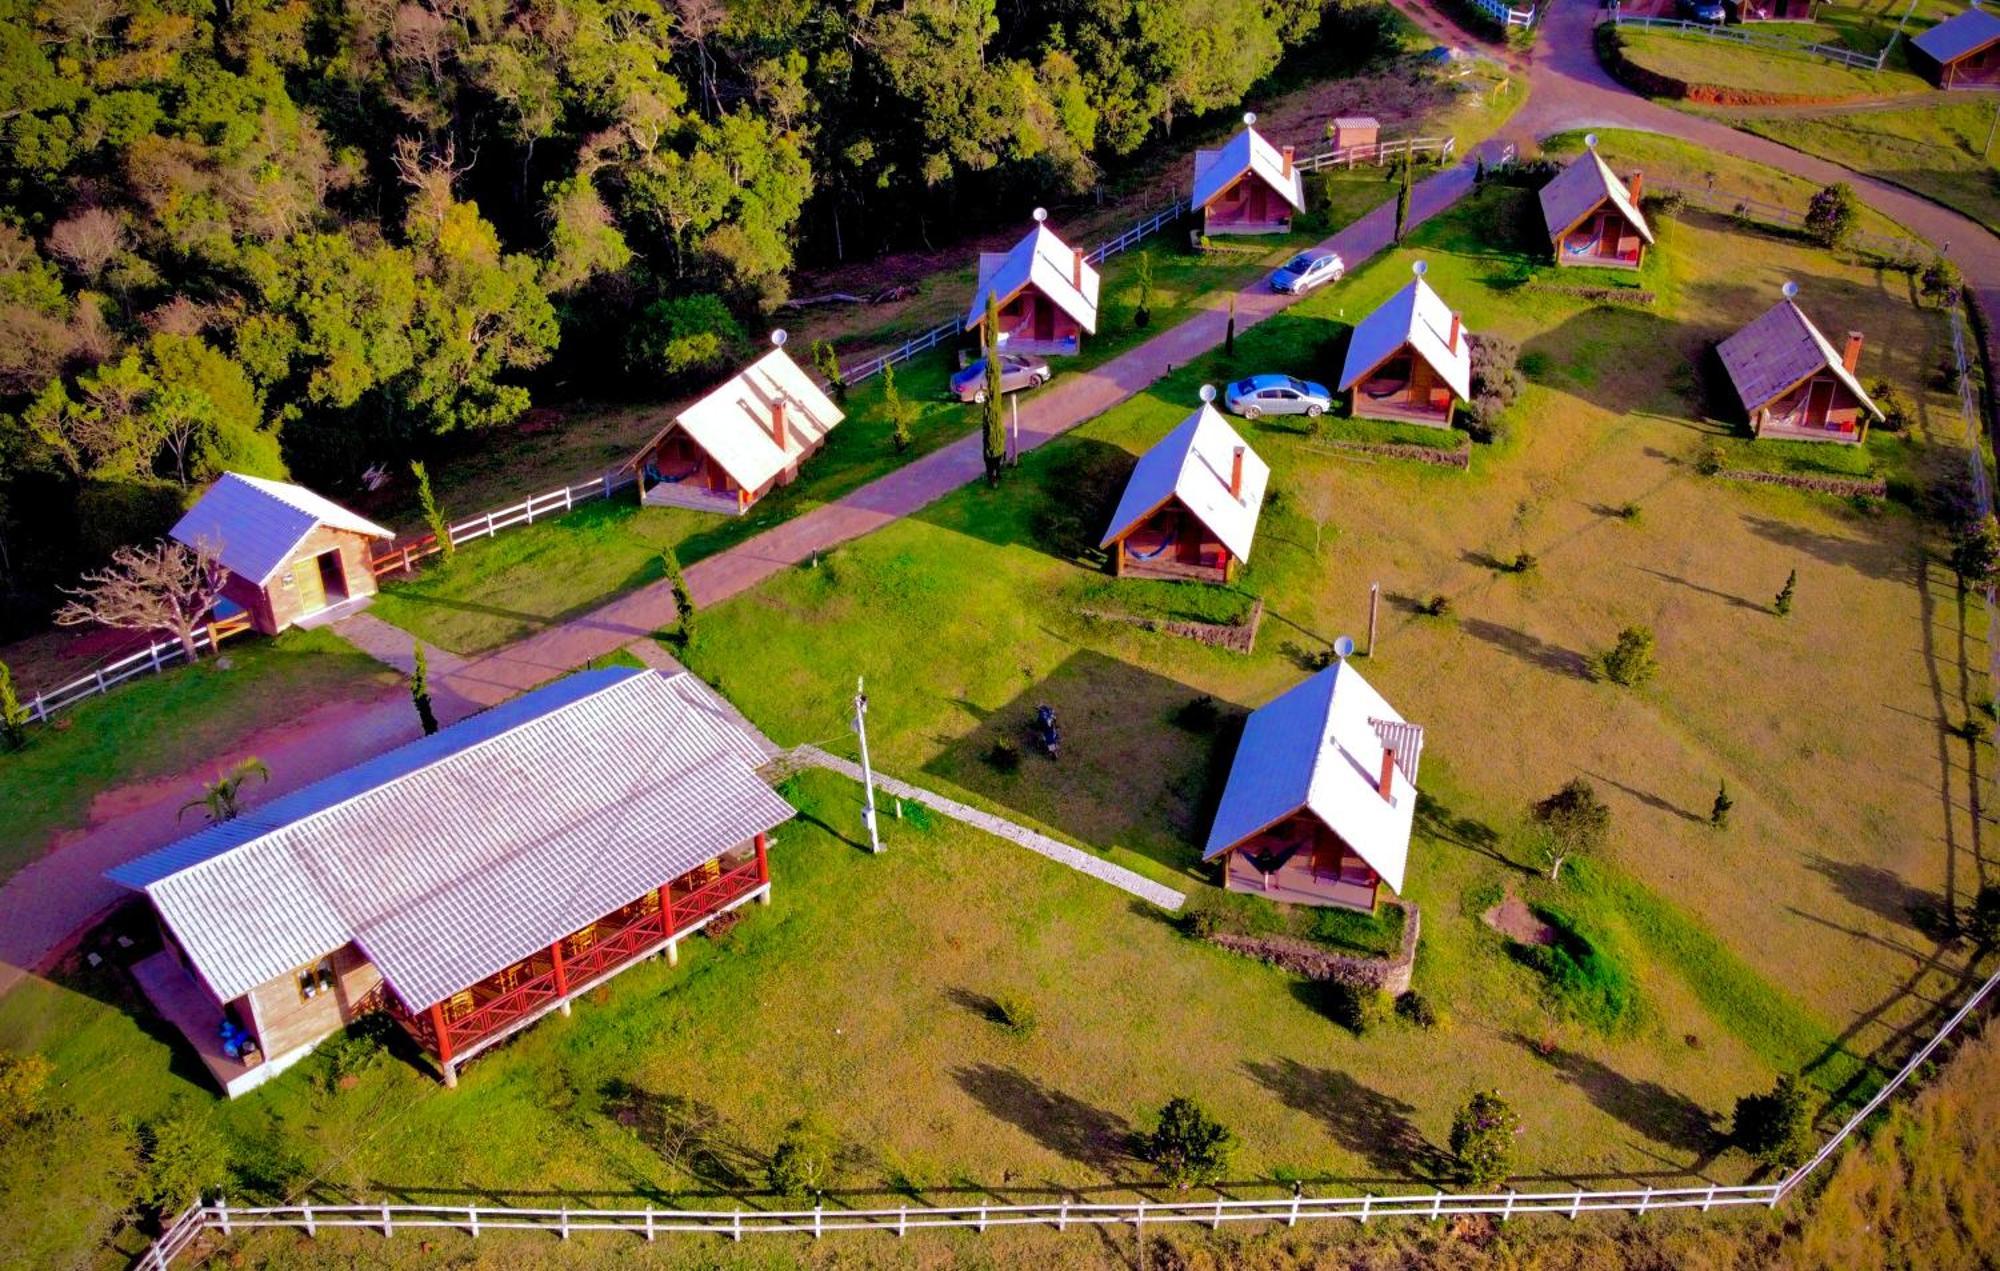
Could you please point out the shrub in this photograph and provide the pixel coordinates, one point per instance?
(896, 410)
(1482, 1138)
(1523, 563)
(1574, 822)
(1003, 756)
(1709, 459)
(433, 516)
(183, 1157)
(1897, 413)
(1971, 728)
(1782, 605)
(1188, 1146)
(1975, 551)
(1832, 215)
(1585, 980)
(1015, 1014)
(1357, 1009)
(23, 1078)
(1496, 378)
(1718, 812)
(1198, 715)
(1417, 1009)
(1776, 1128)
(1627, 511)
(1630, 661)
(827, 362)
(1940, 283)
(803, 1163)
(1437, 606)
(13, 715)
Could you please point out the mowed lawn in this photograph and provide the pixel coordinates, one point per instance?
(1705, 60)
(1938, 150)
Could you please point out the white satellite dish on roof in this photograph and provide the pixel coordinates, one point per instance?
(1790, 289)
(1420, 268)
(1249, 117)
(1343, 647)
(778, 338)
(1207, 393)
(1041, 214)
(1590, 141)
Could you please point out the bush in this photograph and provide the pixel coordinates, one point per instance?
(1357, 1009)
(1573, 822)
(1188, 1146)
(804, 1161)
(1975, 552)
(1777, 1128)
(1437, 606)
(1832, 215)
(23, 1078)
(1897, 413)
(183, 1157)
(1003, 756)
(1630, 661)
(1940, 283)
(353, 1051)
(1709, 459)
(1523, 563)
(1627, 511)
(1015, 1014)
(1417, 1009)
(1482, 1138)
(1209, 913)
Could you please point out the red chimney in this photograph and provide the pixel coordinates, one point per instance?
(778, 422)
(1076, 274)
(1452, 343)
(1850, 357)
(1632, 187)
(1236, 474)
(1287, 152)
(1387, 785)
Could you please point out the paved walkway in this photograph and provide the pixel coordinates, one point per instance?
(999, 827)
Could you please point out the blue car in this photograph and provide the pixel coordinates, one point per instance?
(1709, 12)
(1307, 270)
(1277, 395)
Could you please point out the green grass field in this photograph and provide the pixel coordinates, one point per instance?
(1938, 151)
(1705, 60)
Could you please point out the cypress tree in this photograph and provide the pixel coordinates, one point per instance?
(420, 689)
(994, 433)
(1403, 199)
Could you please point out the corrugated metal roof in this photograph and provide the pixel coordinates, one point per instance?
(255, 524)
(1046, 263)
(452, 857)
(1577, 191)
(1418, 317)
(733, 423)
(1247, 151)
(1192, 463)
(1779, 351)
(1318, 747)
(1955, 37)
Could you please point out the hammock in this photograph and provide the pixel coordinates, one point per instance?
(1573, 246)
(1165, 543)
(654, 475)
(1389, 389)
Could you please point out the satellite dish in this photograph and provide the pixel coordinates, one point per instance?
(1420, 269)
(778, 338)
(1041, 214)
(1343, 647)
(1249, 117)
(1207, 393)
(1590, 141)
(1791, 289)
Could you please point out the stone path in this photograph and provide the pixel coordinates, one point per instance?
(999, 827)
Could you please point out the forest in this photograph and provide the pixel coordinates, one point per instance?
(301, 237)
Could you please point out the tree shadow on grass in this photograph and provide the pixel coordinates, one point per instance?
(1372, 1125)
(1727, 597)
(1533, 650)
(1439, 823)
(1662, 1115)
(687, 1134)
(1060, 1122)
(1877, 890)
(1653, 801)
(1883, 558)
(1611, 356)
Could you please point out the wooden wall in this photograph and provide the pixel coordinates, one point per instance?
(284, 1023)
(278, 604)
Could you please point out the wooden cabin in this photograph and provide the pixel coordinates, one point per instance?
(1248, 186)
(1321, 796)
(291, 555)
(1593, 218)
(1356, 132)
(1046, 292)
(738, 443)
(634, 815)
(1409, 360)
(1792, 384)
(1961, 52)
(1190, 508)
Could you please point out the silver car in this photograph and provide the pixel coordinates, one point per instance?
(1017, 371)
(1277, 395)
(1307, 270)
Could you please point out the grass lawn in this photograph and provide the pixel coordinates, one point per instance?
(1936, 151)
(162, 725)
(1700, 59)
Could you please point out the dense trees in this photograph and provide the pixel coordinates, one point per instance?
(288, 237)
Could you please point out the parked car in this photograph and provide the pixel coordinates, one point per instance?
(1307, 270)
(1709, 11)
(1017, 371)
(1277, 395)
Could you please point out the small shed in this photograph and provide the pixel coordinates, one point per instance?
(290, 553)
(1352, 131)
(1248, 186)
(735, 445)
(1409, 360)
(1593, 218)
(1962, 52)
(469, 882)
(1046, 292)
(1190, 508)
(1320, 797)
(1791, 382)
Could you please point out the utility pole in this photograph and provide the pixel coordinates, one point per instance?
(1014, 459)
(867, 775)
(1987, 149)
(1374, 608)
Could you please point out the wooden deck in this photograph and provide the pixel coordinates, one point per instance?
(194, 1014)
(1295, 883)
(1401, 411)
(698, 498)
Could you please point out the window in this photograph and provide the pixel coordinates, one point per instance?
(316, 979)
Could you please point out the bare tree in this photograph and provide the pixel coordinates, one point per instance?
(88, 241)
(166, 587)
(1319, 501)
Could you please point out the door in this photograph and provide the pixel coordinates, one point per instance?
(332, 577)
(1188, 547)
(1819, 400)
(309, 586)
(1045, 320)
(1260, 204)
(1607, 235)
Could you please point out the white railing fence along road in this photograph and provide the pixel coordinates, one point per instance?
(1755, 39)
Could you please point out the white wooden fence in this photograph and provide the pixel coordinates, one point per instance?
(737, 1223)
(400, 557)
(1380, 152)
(147, 661)
(1507, 15)
(1754, 39)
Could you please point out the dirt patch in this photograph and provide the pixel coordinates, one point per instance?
(1513, 919)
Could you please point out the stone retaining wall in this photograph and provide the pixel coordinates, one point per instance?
(1460, 458)
(1237, 638)
(1845, 487)
(1317, 962)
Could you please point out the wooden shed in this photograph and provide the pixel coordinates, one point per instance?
(634, 815)
(735, 445)
(1356, 131)
(1791, 382)
(1248, 186)
(1046, 292)
(1321, 796)
(1409, 360)
(1593, 218)
(1961, 52)
(1190, 508)
(290, 554)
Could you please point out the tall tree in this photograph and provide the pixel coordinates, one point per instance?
(993, 432)
(166, 587)
(1574, 822)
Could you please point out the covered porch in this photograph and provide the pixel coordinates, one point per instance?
(1301, 862)
(192, 1011)
(479, 1016)
(1605, 240)
(1821, 409)
(1248, 206)
(1172, 543)
(1404, 388)
(674, 471)
(1032, 323)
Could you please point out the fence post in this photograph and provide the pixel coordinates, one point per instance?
(736, 1233)
(99, 673)
(41, 711)
(1508, 1212)
(472, 1219)
(1709, 1199)
(388, 1225)
(1216, 1225)
(1437, 1205)
(312, 1228)
(816, 1218)
(221, 1212)
(1575, 1203)
(1367, 1198)
(902, 1221)
(1293, 1221)
(565, 1222)
(1062, 1217)
(1646, 1201)
(982, 1220)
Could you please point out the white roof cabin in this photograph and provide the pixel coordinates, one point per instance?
(1195, 464)
(1419, 317)
(254, 524)
(1044, 262)
(1216, 170)
(736, 424)
(1319, 747)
